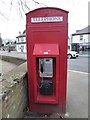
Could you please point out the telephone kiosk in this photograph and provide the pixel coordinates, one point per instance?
(46, 40)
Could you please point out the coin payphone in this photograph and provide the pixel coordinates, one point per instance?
(46, 38)
(45, 72)
(46, 67)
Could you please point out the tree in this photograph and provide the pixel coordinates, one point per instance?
(15, 42)
(23, 6)
(8, 43)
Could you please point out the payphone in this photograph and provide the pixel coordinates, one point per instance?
(45, 72)
(46, 67)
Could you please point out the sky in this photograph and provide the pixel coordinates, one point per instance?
(11, 21)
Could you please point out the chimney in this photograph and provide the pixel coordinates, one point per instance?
(19, 33)
(77, 31)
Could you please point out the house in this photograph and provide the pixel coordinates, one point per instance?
(8, 44)
(0, 41)
(81, 39)
(21, 42)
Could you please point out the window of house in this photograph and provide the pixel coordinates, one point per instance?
(18, 47)
(22, 39)
(81, 37)
(18, 40)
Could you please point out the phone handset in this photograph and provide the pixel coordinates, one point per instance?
(41, 66)
(41, 70)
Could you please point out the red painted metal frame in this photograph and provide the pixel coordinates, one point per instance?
(53, 52)
(47, 33)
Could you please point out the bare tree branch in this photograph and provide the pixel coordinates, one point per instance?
(26, 6)
(11, 5)
(39, 3)
(3, 15)
(22, 6)
(19, 7)
(3, 2)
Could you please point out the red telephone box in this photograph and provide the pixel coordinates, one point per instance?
(47, 37)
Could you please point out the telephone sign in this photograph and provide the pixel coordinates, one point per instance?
(47, 19)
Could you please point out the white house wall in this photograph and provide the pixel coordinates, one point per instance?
(24, 50)
(21, 48)
(85, 37)
(89, 38)
(21, 44)
(76, 39)
(22, 39)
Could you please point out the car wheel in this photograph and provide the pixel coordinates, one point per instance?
(69, 56)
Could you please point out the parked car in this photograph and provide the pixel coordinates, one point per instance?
(72, 54)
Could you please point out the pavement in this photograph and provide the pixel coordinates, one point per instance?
(77, 94)
(77, 90)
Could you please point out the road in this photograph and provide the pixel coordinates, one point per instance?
(79, 64)
(13, 54)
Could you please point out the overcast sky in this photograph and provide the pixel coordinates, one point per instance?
(12, 23)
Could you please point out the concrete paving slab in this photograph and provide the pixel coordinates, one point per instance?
(77, 94)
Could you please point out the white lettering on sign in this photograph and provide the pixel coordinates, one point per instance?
(47, 19)
(45, 52)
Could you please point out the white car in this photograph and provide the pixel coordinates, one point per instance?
(72, 54)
